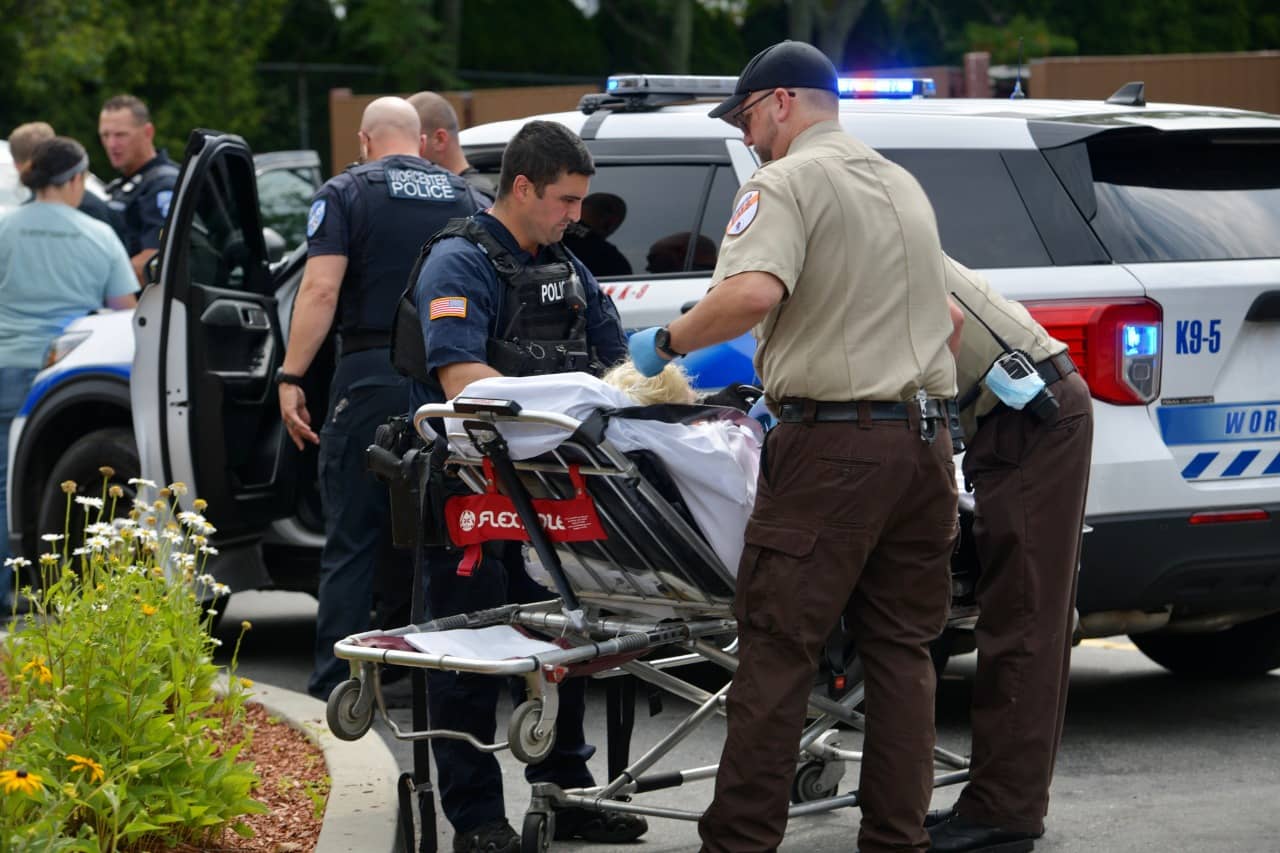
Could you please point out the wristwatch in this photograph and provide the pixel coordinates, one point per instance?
(662, 342)
(283, 378)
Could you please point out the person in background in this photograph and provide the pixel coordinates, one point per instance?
(440, 141)
(56, 264)
(141, 195)
(364, 231)
(22, 144)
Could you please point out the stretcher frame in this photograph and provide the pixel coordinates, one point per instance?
(604, 633)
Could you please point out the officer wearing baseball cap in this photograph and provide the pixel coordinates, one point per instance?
(832, 256)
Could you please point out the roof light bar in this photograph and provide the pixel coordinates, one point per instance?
(690, 85)
(886, 87)
(699, 86)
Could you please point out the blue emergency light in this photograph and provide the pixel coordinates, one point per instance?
(1140, 339)
(886, 87)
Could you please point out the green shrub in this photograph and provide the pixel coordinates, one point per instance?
(112, 736)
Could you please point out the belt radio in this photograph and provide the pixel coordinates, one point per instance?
(1013, 377)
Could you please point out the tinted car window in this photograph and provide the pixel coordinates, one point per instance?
(724, 187)
(639, 220)
(981, 218)
(1186, 197)
(219, 254)
(284, 196)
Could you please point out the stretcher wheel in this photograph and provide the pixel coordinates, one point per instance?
(345, 721)
(526, 744)
(535, 834)
(809, 784)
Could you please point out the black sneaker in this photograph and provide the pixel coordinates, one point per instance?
(496, 836)
(598, 826)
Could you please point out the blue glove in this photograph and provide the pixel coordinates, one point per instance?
(644, 352)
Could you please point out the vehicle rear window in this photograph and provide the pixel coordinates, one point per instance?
(981, 218)
(1185, 196)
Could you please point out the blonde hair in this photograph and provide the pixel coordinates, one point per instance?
(670, 386)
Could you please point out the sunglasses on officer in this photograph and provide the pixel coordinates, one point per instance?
(739, 119)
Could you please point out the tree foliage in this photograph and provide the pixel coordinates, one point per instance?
(193, 62)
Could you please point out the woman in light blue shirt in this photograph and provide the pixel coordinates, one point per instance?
(56, 264)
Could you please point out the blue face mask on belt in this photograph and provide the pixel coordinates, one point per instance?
(1014, 380)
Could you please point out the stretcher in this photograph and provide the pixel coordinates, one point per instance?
(635, 589)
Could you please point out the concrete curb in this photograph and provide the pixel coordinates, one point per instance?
(361, 815)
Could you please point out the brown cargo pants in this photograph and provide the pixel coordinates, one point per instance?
(1030, 481)
(847, 515)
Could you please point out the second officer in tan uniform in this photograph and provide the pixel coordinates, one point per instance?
(1030, 471)
(832, 255)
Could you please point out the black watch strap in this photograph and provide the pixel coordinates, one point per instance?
(283, 378)
(662, 340)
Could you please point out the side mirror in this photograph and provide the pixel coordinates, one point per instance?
(276, 246)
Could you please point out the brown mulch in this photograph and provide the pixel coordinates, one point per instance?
(294, 786)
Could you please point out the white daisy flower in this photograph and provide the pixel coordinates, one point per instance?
(17, 562)
(52, 537)
(138, 481)
(209, 549)
(96, 503)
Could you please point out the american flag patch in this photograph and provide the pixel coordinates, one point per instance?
(448, 306)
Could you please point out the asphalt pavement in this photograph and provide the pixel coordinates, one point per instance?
(1149, 762)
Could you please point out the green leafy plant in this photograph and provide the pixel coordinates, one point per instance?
(112, 735)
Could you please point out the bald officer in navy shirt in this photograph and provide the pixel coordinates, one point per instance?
(365, 229)
(499, 295)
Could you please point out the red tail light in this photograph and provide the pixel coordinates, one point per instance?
(1115, 343)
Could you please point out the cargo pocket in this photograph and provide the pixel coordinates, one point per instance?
(333, 447)
(771, 577)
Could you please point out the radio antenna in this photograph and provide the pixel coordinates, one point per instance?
(1017, 82)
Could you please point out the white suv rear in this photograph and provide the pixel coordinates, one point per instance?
(1145, 236)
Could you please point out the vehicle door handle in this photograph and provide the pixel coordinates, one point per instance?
(1265, 309)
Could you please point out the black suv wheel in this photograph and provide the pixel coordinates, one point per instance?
(1248, 649)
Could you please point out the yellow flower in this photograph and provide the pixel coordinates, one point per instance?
(68, 487)
(20, 781)
(246, 625)
(165, 493)
(246, 683)
(115, 492)
(200, 504)
(148, 610)
(179, 488)
(42, 672)
(5, 740)
(79, 762)
(107, 471)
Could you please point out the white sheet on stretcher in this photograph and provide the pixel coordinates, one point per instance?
(714, 465)
(498, 642)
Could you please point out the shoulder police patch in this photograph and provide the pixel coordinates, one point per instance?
(448, 306)
(315, 217)
(162, 201)
(744, 214)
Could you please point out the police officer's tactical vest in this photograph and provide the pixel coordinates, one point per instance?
(122, 191)
(396, 216)
(541, 323)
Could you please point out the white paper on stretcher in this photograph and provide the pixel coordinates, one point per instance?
(499, 642)
(714, 465)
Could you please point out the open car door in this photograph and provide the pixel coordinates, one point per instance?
(208, 344)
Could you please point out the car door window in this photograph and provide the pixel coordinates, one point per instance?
(221, 252)
(284, 196)
(641, 219)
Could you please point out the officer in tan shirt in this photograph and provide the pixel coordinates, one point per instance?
(1030, 471)
(832, 255)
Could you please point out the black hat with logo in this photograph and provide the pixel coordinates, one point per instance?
(785, 65)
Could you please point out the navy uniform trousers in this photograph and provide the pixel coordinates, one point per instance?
(470, 780)
(364, 393)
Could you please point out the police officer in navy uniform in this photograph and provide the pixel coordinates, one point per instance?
(499, 295)
(364, 231)
(140, 196)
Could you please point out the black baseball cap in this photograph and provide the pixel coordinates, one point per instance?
(785, 65)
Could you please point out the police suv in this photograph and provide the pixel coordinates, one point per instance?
(1145, 236)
